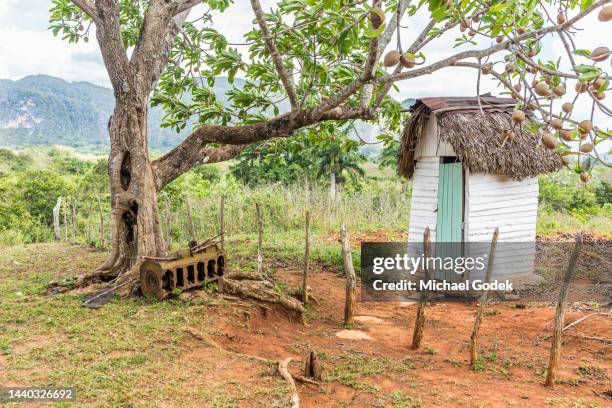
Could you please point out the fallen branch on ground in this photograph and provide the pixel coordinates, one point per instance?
(282, 365)
(601, 339)
(254, 290)
(284, 372)
(584, 318)
(306, 380)
(203, 337)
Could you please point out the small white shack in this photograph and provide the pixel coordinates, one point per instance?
(466, 180)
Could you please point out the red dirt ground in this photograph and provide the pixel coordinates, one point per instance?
(513, 341)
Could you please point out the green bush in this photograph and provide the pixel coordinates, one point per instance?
(563, 191)
(39, 190)
(69, 165)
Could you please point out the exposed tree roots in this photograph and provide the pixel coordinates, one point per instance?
(115, 276)
(282, 367)
(206, 339)
(255, 290)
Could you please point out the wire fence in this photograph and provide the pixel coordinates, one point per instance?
(283, 208)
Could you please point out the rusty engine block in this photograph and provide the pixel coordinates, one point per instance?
(200, 264)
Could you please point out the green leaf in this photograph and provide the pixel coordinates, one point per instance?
(589, 76)
(498, 7)
(583, 69)
(604, 86)
(439, 13)
(583, 53)
(376, 32)
(585, 4)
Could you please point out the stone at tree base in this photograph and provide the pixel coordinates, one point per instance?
(368, 319)
(353, 335)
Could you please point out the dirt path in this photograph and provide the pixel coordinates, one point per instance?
(384, 372)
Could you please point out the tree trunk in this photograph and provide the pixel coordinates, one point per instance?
(351, 280)
(306, 259)
(135, 223)
(332, 186)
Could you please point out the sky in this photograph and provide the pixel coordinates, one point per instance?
(28, 48)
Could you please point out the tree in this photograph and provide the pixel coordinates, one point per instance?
(309, 155)
(388, 155)
(340, 159)
(283, 161)
(321, 57)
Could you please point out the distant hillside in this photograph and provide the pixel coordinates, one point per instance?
(41, 110)
(45, 110)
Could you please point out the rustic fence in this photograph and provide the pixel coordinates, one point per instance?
(86, 219)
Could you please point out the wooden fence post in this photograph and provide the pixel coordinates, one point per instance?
(57, 232)
(74, 220)
(351, 280)
(259, 239)
(482, 300)
(66, 220)
(222, 220)
(419, 322)
(89, 220)
(101, 214)
(555, 349)
(189, 219)
(306, 259)
(168, 220)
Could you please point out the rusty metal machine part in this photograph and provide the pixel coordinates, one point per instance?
(199, 265)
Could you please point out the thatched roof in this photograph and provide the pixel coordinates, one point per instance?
(476, 139)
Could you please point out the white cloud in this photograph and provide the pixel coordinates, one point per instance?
(28, 47)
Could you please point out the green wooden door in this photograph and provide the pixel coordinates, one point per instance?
(450, 217)
(450, 203)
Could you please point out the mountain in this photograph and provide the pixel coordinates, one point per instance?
(45, 110)
(41, 109)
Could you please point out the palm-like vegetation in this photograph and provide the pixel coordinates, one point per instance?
(341, 158)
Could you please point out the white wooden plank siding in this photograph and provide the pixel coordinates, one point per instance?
(424, 199)
(497, 201)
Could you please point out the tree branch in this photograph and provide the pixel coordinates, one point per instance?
(379, 44)
(385, 38)
(167, 168)
(487, 51)
(372, 56)
(414, 47)
(160, 27)
(284, 76)
(546, 116)
(184, 5)
(192, 150)
(88, 8)
(108, 33)
(549, 71)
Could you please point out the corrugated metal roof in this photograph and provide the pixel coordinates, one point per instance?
(461, 103)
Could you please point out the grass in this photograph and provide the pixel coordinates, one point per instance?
(400, 399)
(556, 222)
(288, 248)
(128, 352)
(132, 351)
(353, 369)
